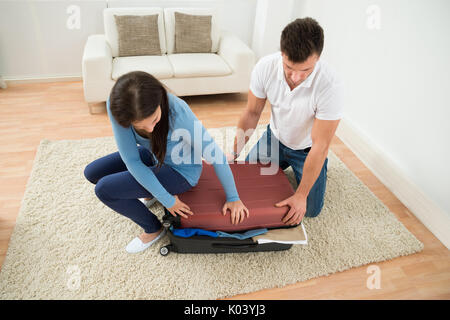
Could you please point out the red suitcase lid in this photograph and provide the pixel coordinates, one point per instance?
(258, 192)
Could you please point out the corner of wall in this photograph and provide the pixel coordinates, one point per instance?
(430, 214)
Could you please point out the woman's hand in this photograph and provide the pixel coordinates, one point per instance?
(238, 211)
(180, 208)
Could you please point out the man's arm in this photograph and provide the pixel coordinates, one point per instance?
(248, 120)
(322, 133)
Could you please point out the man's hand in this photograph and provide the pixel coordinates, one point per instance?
(297, 205)
(181, 208)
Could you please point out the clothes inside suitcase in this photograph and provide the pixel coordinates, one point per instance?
(258, 192)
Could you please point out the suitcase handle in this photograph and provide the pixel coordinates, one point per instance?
(233, 246)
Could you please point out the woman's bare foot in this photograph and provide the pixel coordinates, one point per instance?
(147, 237)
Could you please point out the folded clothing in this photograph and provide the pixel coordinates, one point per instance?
(242, 236)
(296, 235)
(189, 232)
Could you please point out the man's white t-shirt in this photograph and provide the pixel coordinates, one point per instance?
(293, 112)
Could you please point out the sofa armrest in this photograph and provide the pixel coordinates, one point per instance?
(96, 67)
(97, 56)
(236, 53)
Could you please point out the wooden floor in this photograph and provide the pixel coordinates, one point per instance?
(31, 112)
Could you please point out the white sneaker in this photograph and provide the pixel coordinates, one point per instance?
(148, 203)
(136, 245)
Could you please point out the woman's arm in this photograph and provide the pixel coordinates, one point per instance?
(210, 151)
(214, 155)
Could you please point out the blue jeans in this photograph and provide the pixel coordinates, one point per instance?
(119, 190)
(296, 159)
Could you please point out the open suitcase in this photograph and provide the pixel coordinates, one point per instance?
(257, 191)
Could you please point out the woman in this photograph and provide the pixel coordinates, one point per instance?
(142, 112)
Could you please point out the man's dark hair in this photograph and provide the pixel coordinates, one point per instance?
(302, 38)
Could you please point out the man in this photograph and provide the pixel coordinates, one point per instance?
(305, 98)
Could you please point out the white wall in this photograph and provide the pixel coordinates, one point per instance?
(398, 82)
(270, 19)
(36, 43)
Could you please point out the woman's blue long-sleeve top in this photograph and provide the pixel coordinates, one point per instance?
(187, 142)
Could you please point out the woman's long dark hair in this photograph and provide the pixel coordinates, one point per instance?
(134, 97)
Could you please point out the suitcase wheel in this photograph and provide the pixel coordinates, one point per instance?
(164, 251)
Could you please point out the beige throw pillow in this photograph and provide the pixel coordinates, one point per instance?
(138, 35)
(192, 33)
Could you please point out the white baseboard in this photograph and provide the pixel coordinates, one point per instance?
(430, 214)
(41, 79)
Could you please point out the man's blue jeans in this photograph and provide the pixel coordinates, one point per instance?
(296, 159)
(120, 191)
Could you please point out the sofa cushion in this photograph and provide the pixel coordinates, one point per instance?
(192, 33)
(169, 20)
(187, 65)
(158, 66)
(111, 34)
(138, 35)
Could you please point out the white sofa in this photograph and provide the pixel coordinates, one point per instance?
(226, 69)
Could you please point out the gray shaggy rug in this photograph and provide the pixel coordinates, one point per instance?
(67, 245)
